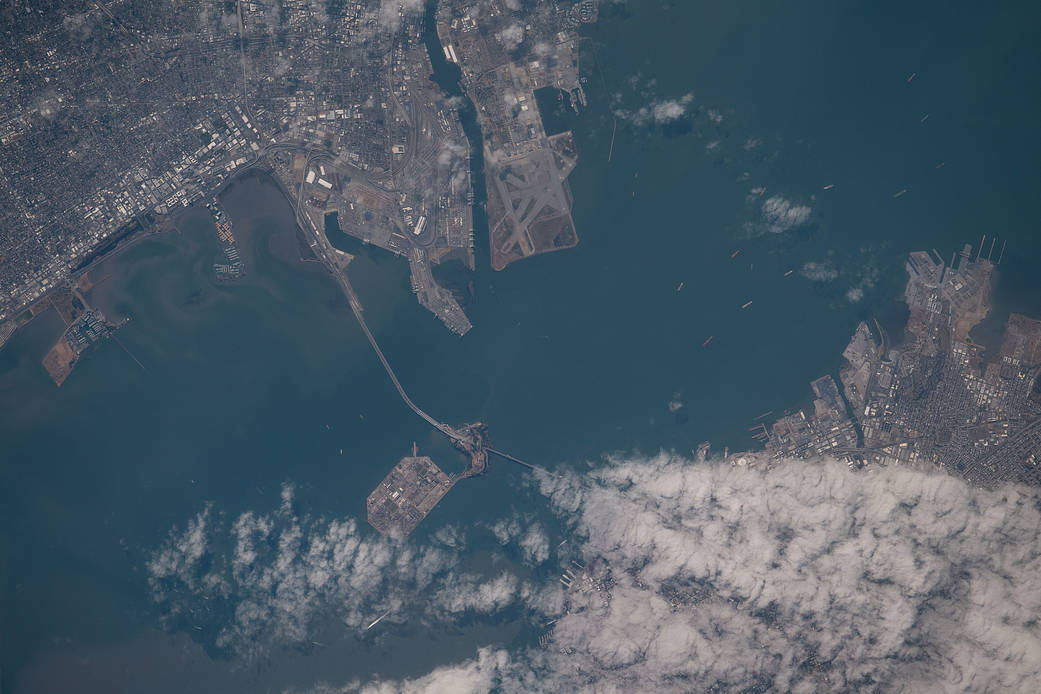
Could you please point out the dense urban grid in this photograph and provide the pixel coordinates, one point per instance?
(936, 396)
(118, 115)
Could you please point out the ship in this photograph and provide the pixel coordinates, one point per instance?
(829, 186)
(734, 254)
(377, 620)
(705, 343)
(747, 304)
(789, 272)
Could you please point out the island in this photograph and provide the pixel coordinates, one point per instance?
(406, 495)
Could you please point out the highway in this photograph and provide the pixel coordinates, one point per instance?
(356, 307)
(507, 456)
(322, 251)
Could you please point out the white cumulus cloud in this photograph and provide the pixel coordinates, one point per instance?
(512, 36)
(780, 214)
(819, 272)
(265, 580)
(799, 577)
(659, 111)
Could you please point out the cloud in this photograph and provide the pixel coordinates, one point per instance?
(391, 12)
(800, 576)
(527, 534)
(451, 151)
(865, 273)
(474, 594)
(780, 214)
(859, 272)
(658, 112)
(819, 272)
(486, 672)
(506, 529)
(180, 557)
(534, 545)
(806, 574)
(512, 36)
(264, 580)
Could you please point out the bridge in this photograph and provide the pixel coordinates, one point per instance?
(507, 456)
(464, 439)
(356, 308)
(467, 438)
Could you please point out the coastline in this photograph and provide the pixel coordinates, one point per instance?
(116, 245)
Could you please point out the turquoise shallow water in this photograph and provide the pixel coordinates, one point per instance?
(573, 354)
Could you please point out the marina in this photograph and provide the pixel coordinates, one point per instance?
(234, 268)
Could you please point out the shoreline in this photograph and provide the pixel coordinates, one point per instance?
(123, 241)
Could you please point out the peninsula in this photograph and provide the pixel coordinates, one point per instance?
(934, 396)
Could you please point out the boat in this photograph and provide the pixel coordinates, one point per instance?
(734, 254)
(789, 272)
(377, 620)
(746, 305)
(705, 343)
